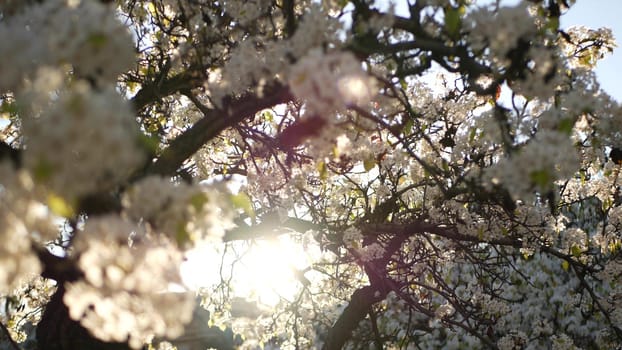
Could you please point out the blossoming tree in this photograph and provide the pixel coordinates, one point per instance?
(453, 166)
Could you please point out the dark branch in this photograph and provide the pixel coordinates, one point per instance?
(7, 335)
(57, 331)
(269, 227)
(448, 232)
(213, 123)
(360, 303)
(290, 17)
(8, 152)
(153, 91)
(60, 269)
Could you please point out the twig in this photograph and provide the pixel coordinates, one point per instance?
(8, 335)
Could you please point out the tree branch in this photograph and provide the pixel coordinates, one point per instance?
(11, 153)
(155, 90)
(214, 122)
(290, 17)
(8, 336)
(361, 301)
(448, 232)
(60, 269)
(269, 227)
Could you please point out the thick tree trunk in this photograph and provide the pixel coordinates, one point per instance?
(57, 331)
(360, 303)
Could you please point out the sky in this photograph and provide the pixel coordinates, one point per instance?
(596, 14)
(592, 14)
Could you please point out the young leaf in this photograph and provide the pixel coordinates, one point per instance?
(244, 202)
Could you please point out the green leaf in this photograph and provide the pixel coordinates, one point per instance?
(472, 134)
(43, 171)
(199, 200)
(8, 107)
(162, 119)
(408, 127)
(182, 236)
(607, 202)
(453, 21)
(97, 40)
(150, 143)
(565, 265)
(575, 250)
(587, 59)
(321, 168)
(244, 202)
(267, 116)
(369, 164)
(541, 178)
(132, 86)
(583, 177)
(152, 127)
(566, 125)
(403, 84)
(553, 24)
(59, 206)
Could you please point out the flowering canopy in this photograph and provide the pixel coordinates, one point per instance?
(448, 167)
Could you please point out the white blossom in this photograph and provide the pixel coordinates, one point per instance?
(371, 252)
(549, 157)
(24, 222)
(485, 31)
(188, 214)
(86, 141)
(87, 36)
(124, 295)
(330, 82)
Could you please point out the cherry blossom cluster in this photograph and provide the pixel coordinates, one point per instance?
(23, 221)
(125, 286)
(549, 157)
(486, 33)
(246, 12)
(535, 321)
(330, 82)
(60, 142)
(584, 55)
(33, 296)
(186, 213)
(271, 58)
(87, 36)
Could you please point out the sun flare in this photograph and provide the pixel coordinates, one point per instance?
(263, 270)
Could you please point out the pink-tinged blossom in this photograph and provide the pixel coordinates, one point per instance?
(371, 252)
(330, 82)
